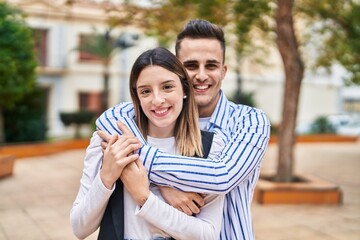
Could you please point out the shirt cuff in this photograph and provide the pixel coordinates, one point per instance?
(101, 187)
(144, 209)
(148, 157)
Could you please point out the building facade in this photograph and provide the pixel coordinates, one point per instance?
(73, 80)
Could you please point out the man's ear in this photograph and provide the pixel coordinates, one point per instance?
(223, 71)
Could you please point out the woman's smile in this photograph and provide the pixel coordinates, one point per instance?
(161, 112)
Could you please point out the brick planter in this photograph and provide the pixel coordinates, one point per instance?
(316, 138)
(41, 149)
(307, 190)
(6, 165)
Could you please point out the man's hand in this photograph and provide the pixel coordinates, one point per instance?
(187, 202)
(118, 153)
(136, 182)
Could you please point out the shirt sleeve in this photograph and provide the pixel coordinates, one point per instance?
(246, 138)
(242, 154)
(206, 225)
(92, 198)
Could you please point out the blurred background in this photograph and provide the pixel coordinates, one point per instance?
(84, 50)
(63, 62)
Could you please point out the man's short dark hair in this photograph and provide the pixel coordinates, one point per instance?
(198, 28)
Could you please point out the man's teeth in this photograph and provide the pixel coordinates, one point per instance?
(201, 87)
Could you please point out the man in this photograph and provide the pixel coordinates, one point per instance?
(245, 131)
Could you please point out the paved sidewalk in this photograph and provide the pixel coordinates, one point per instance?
(35, 201)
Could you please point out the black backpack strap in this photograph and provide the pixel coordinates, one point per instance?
(207, 139)
(112, 223)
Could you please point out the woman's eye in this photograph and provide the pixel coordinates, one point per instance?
(168, 87)
(144, 91)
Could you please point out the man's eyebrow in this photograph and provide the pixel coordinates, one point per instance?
(190, 62)
(213, 61)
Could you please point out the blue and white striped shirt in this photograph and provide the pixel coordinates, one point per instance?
(246, 132)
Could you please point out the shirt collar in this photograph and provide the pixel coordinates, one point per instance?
(221, 112)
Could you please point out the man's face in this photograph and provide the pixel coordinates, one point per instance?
(203, 60)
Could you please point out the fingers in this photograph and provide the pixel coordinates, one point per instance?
(139, 163)
(194, 208)
(113, 139)
(186, 210)
(187, 202)
(120, 147)
(104, 135)
(125, 146)
(127, 160)
(198, 199)
(104, 145)
(125, 130)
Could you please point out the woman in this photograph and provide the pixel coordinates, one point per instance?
(166, 114)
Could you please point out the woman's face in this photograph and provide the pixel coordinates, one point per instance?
(161, 98)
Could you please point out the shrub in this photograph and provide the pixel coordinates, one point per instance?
(78, 118)
(322, 125)
(27, 121)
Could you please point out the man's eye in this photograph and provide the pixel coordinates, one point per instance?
(211, 66)
(191, 66)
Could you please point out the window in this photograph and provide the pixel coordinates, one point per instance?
(90, 101)
(352, 105)
(40, 39)
(85, 56)
(96, 47)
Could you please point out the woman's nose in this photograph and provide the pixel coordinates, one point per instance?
(158, 99)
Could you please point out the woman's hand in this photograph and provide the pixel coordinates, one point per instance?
(106, 137)
(118, 153)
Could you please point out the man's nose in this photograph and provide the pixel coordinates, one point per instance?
(201, 75)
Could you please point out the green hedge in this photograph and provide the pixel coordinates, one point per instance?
(80, 117)
(26, 122)
(77, 118)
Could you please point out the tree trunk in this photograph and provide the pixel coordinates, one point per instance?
(105, 95)
(238, 76)
(2, 130)
(294, 71)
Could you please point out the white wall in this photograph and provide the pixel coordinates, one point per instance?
(320, 94)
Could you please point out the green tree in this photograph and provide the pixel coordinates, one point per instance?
(17, 57)
(339, 30)
(338, 24)
(272, 21)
